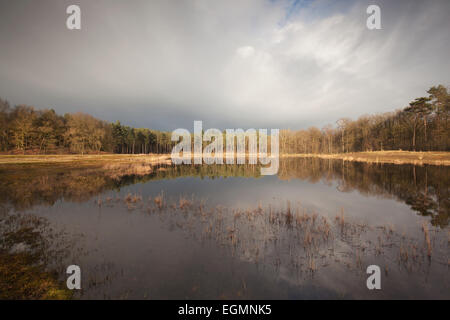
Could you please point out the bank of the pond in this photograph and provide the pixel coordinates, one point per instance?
(86, 159)
(394, 157)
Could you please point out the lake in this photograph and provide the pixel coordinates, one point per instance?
(226, 232)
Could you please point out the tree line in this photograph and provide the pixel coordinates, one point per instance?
(27, 130)
(421, 126)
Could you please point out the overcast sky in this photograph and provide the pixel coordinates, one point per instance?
(261, 64)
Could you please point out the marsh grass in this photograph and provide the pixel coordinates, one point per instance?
(29, 262)
(292, 237)
(427, 238)
(159, 200)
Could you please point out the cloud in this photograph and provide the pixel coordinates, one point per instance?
(164, 64)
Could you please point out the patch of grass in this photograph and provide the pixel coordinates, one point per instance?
(25, 254)
(392, 156)
(22, 279)
(85, 159)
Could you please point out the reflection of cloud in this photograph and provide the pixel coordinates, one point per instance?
(248, 64)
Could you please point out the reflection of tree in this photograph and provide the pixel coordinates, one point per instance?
(423, 188)
(427, 206)
(422, 203)
(25, 187)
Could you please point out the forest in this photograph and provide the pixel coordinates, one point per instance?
(25, 130)
(423, 125)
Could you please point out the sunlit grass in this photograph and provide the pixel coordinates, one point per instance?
(86, 159)
(392, 156)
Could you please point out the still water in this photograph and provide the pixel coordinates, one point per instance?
(225, 232)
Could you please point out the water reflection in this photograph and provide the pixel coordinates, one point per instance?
(424, 188)
(227, 232)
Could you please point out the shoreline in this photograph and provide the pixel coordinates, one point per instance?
(439, 158)
(393, 157)
(88, 159)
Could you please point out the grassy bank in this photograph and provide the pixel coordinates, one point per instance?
(396, 157)
(86, 159)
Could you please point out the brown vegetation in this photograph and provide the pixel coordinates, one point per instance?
(295, 238)
(393, 156)
(106, 159)
(28, 261)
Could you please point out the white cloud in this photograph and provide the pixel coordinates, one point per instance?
(246, 51)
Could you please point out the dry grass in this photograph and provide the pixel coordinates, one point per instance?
(133, 198)
(394, 156)
(294, 238)
(184, 203)
(86, 159)
(159, 200)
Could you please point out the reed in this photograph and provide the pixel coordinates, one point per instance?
(290, 237)
(427, 238)
(159, 200)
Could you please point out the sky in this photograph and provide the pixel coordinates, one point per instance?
(232, 64)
